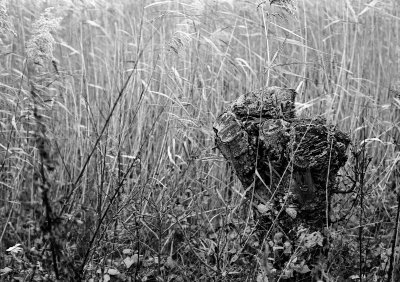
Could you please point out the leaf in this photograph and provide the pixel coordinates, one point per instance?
(234, 258)
(113, 271)
(288, 248)
(158, 3)
(93, 23)
(127, 251)
(131, 260)
(106, 278)
(303, 269)
(262, 278)
(14, 124)
(311, 240)
(278, 237)
(291, 212)
(73, 51)
(15, 249)
(287, 273)
(369, 140)
(96, 25)
(170, 263)
(276, 248)
(170, 156)
(263, 209)
(5, 270)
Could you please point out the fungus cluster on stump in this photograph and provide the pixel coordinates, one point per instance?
(288, 165)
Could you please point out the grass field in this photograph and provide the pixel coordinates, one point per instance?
(107, 158)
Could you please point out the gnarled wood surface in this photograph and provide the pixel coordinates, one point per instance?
(290, 164)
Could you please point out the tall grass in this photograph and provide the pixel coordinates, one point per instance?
(128, 98)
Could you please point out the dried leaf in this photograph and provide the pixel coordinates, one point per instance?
(5, 270)
(291, 212)
(288, 248)
(15, 249)
(113, 271)
(127, 251)
(234, 258)
(262, 278)
(170, 263)
(263, 209)
(313, 239)
(106, 278)
(303, 269)
(128, 261)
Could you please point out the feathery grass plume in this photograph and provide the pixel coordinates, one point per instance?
(287, 5)
(179, 41)
(39, 48)
(194, 7)
(182, 37)
(5, 23)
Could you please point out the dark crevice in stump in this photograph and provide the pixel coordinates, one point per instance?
(289, 166)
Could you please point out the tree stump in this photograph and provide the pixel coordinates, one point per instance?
(288, 167)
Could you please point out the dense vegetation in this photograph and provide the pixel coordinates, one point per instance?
(108, 166)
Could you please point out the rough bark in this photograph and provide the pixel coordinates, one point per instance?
(288, 166)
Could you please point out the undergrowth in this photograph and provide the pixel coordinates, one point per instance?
(108, 167)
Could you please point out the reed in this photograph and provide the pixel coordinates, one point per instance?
(126, 94)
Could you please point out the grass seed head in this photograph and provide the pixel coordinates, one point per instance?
(39, 48)
(6, 26)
